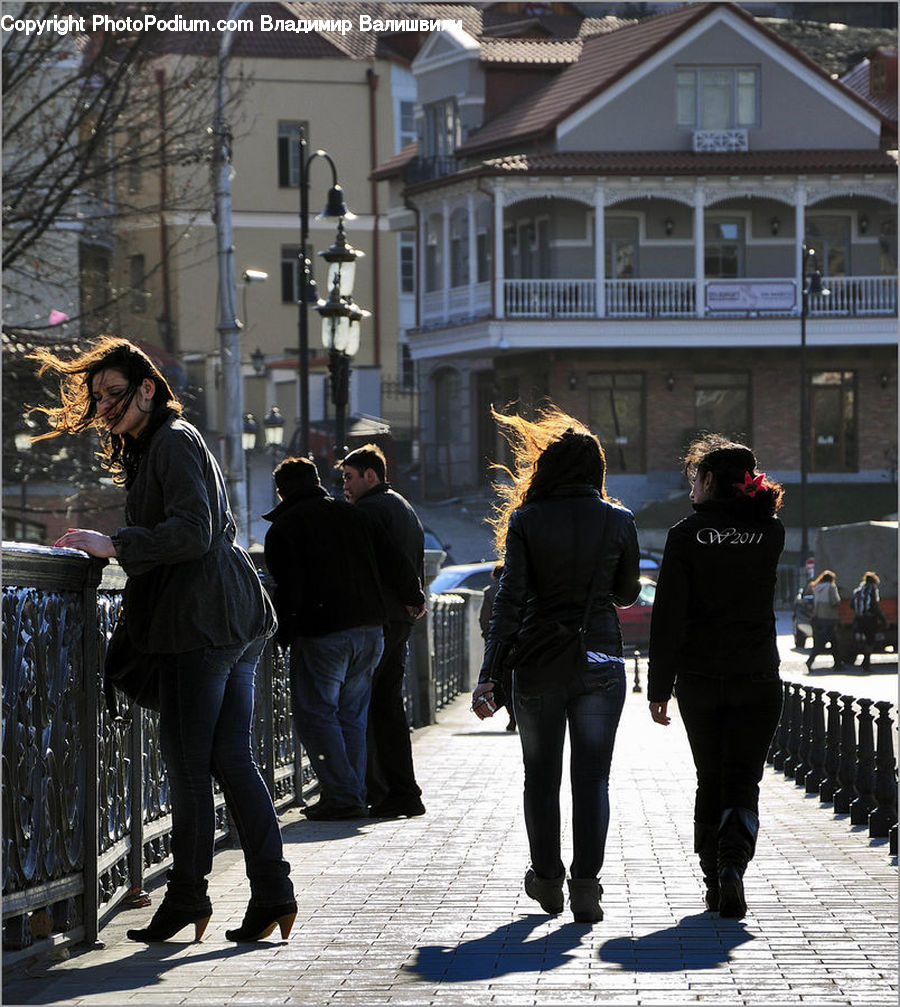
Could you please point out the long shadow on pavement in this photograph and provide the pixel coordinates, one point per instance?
(702, 941)
(505, 951)
(139, 971)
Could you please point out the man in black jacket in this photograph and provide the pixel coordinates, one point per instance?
(390, 770)
(331, 569)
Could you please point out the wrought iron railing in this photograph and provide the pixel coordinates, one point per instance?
(843, 753)
(86, 815)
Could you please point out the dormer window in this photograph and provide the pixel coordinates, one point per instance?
(442, 129)
(717, 97)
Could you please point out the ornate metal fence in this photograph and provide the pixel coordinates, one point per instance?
(86, 815)
(843, 753)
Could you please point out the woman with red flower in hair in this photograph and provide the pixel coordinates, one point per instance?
(713, 644)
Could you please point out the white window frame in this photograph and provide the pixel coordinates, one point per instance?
(691, 77)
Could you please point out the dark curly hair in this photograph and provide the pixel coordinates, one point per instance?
(77, 411)
(733, 468)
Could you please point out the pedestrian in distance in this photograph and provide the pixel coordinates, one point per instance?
(484, 621)
(867, 615)
(713, 642)
(826, 602)
(390, 776)
(193, 595)
(331, 568)
(570, 555)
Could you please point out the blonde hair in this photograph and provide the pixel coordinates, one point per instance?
(551, 451)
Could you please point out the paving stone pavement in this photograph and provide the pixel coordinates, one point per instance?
(431, 910)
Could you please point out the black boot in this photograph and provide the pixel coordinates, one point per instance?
(706, 844)
(737, 844)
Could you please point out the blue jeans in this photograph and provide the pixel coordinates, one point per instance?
(206, 712)
(591, 706)
(331, 683)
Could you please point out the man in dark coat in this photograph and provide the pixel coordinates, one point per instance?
(330, 569)
(390, 770)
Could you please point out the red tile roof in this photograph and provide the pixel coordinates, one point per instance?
(757, 162)
(857, 80)
(605, 59)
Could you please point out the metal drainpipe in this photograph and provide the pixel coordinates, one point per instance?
(372, 78)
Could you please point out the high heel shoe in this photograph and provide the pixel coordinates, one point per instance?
(167, 922)
(260, 921)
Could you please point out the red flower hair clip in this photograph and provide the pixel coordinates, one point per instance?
(751, 486)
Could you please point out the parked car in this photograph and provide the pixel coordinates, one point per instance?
(433, 542)
(635, 621)
(475, 576)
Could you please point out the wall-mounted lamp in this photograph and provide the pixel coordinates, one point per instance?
(669, 225)
(573, 382)
(670, 382)
(863, 223)
(884, 379)
(775, 225)
(258, 359)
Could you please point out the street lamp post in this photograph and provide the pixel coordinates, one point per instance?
(273, 425)
(26, 429)
(810, 285)
(248, 443)
(335, 207)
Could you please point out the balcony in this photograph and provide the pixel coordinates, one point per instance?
(851, 296)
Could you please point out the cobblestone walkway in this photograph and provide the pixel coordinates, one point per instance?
(431, 910)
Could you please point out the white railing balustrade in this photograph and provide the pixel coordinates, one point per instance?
(857, 295)
(650, 298)
(550, 298)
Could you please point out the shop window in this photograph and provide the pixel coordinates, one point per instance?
(832, 418)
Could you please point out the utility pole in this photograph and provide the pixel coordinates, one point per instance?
(228, 327)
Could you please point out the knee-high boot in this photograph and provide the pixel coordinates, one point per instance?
(737, 844)
(706, 845)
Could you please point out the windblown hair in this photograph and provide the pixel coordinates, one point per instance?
(733, 467)
(77, 411)
(552, 451)
(825, 575)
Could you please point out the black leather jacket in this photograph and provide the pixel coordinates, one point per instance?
(714, 613)
(554, 547)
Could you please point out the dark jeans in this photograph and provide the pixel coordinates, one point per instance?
(823, 634)
(591, 706)
(729, 724)
(331, 682)
(206, 711)
(390, 774)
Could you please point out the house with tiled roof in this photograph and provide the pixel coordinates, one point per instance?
(631, 238)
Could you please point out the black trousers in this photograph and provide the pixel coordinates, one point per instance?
(389, 772)
(729, 724)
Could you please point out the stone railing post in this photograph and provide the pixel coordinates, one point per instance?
(832, 749)
(846, 793)
(865, 767)
(816, 758)
(884, 815)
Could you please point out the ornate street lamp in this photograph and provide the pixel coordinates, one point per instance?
(811, 286)
(273, 424)
(335, 207)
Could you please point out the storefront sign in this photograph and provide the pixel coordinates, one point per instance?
(750, 295)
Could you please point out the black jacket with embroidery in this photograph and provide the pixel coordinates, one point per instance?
(714, 609)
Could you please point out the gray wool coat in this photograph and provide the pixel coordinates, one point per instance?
(189, 584)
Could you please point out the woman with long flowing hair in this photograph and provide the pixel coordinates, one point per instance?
(192, 595)
(570, 555)
(713, 643)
